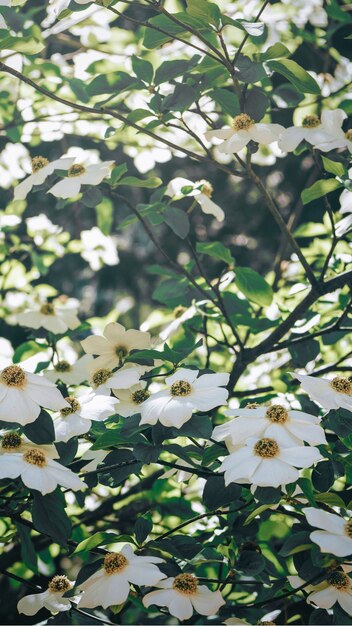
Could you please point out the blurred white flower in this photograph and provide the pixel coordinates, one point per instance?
(335, 534)
(51, 599)
(325, 134)
(38, 471)
(111, 584)
(115, 346)
(186, 392)
(76, 419)
(182, 594)
(269, 421)
(98, 249)
(330, 394)
(7, 220)
(22, 394)
(244, 130)
(201, 191)
(268, 462)
(337, 587)
(41, 168)
(54, 317)
(79, 175)
(130, 400)
(70, 371)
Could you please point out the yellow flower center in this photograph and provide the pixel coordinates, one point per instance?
(206, 187)
(277, 414)
(59, 584)
(186, 584)
(266, 448)
(180, 388)
(73, 408)
(140, 396)
(341, 385)
(348, 528)
(76, 170)
(33, 456)
(252, 405)
(38, 163)
(179, 310)
(11, 441)
(100, 377)
(63, 366)
(339, 580)
(13, 376)
(47, 309)
(349, 134)
(114, 562)
(311, 121)
(242, 122)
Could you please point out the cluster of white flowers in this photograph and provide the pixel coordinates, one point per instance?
(324, 134)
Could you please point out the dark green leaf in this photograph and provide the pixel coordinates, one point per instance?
(49, 516)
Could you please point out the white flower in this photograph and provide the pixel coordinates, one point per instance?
(98, 249)
(325, 134)
(70, 373)
(8, 220)
(76, 419)
(41, 170)
(103, 379)
(330, 394)
(38, 471)
(268, 618)
(111, 584)
(202, 192)
(94, 458)
(174, 406)
(269, 421)
(116, 344)
(130, 401)
(79, 175)
(335, 535)
(12, 442)
(182, 594)
(51, 599)
(53, 317)
(22, 394)
(244, 130)
(336, 587)
(268, 462)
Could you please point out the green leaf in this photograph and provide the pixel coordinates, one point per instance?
(41, 431)
(250, 562)
(27, 45)
(276, 51)
(169, 70)
(181, 98)
(178, 221)
(320, 188)
(49, 516)
(28, 553)
(331, 499)
(26, 350)
(216, 494)
(296, 75)
(255, 513)
(227, 100)
(253, 286)
(78, 87)
(143, 527)
(217, 250)
(204, 11)
(143, 69)
(132, 181)
(98, 539)
(297, 542)
(323, 476)
(334, 167)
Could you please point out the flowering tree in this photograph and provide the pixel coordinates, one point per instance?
(175, 402)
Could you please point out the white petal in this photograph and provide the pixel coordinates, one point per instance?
(290, 138)
(182, 374)
(220, 133)
(238, 141)
(332, 543)
(210, 208)
(325, 598)
(66, 188)
(181, 607)
(265, 133)
(211, 380)
(23, 188)
(344, 599)
(30, 605)
(301, 456)
(17, 406)
(207, 602)
(273, 473)
(324, 520)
